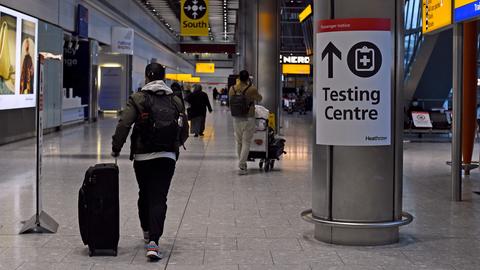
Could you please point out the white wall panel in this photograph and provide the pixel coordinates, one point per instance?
(100, 26)
(67, 14)
(138, 71)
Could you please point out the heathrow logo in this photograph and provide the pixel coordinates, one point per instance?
(195, 9)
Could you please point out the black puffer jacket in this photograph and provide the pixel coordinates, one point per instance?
(199, 103)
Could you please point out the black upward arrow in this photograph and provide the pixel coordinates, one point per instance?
(331, 50)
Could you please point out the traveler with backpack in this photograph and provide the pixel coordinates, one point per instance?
(160, 128)
(197, 113)
(243, 96)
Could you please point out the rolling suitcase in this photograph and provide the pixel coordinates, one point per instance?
(98, 209)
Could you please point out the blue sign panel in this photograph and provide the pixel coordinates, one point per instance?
(468, 11)
(82, 21)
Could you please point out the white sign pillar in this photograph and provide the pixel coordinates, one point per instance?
(357, 155)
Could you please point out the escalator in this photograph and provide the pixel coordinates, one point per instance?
(428, 61)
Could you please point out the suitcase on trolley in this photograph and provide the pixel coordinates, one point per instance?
(98, 209)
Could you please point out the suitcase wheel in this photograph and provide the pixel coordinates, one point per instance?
(91, 252)
(115, 252)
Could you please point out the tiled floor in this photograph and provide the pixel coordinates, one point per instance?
(220, 221)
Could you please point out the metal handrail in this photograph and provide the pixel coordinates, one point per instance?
(308, 216)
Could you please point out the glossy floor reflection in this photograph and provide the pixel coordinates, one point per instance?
(218, 220)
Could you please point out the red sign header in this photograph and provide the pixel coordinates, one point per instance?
(359, 24)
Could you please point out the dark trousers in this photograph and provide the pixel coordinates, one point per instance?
(154, 178)
(198, 125)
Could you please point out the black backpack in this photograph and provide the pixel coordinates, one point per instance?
(158, 126)
(239, 105)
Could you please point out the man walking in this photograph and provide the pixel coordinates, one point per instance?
(160, 129)
(243, 96)
(197, 113)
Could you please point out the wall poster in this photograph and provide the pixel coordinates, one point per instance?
(18, 58)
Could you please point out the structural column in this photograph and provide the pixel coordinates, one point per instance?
(262, 48)
(469, 123)
(357, 190)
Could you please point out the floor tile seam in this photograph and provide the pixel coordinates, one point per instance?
(18, 267)
(66, 256)
(46, 243)
(455, 267)
(186, 205)
(302, 248)
(271, 256)
(407, 257)
(340, 257)
(134, 256)
(204, 256)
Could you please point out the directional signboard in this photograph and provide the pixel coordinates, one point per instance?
(466, 10)
(436, 14)
(194, 18)
(354, 82)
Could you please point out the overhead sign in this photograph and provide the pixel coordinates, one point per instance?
(122, 40)
(205, 68)
(354, 82)
(181, 77)
(305, 13)
(466, 9)
(296, 69)
(436, 14)
(194, 18)
(194, 80)
(295, 59)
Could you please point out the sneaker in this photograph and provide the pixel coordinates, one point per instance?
(146, 236)
(153, 251)
(243, 172)
(196, 135)
(201, 134)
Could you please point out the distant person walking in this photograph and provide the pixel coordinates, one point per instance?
(243, 96)
(215, 93)
(159, 129)
(177, 91)
(197, 113)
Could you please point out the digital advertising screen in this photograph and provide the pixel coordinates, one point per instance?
(18, 59)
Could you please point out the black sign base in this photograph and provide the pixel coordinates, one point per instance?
(42, 223)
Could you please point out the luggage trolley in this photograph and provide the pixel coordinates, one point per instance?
(259, 148)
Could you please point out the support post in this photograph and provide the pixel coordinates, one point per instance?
(469, 75)
(457, 112)
(361, 203)
(41, 222)
(262, 50)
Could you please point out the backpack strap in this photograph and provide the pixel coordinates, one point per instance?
(245, 91)
(176, 104)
